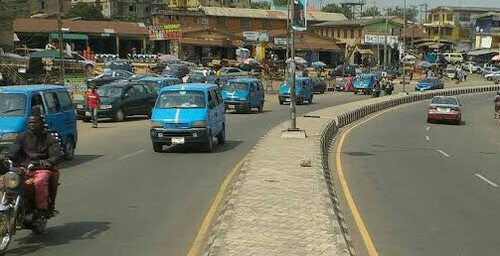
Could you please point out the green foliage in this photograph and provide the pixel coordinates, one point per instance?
(411, 13)
(371, 12)
(334, 8)
(280, 2)
(129, 17)
(261, 5)
(87, 11)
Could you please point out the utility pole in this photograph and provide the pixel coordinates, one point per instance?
(404, 47)
(61, 41)
(386, 31)
(293, 118)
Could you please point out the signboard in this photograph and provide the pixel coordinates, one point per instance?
(380, 39)
(486, 42)
(254, 36)
(299, 15)
(77, 85)
(165, 32)
(280, 40)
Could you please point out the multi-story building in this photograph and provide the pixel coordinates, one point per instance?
(47, 6)
(454, 24)
(487, 31)
(364, 39)
(133, 10)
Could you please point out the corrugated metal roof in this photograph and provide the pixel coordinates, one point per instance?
(268, 14)
(466, 9)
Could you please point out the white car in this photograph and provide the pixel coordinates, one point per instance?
(489, 70)
(450, 72)
(492, 76)
(471, 67)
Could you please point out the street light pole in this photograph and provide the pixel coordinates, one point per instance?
(293, 118)
(61, 46)
(404, 47)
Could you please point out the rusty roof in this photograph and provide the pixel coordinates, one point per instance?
(80, 26)
(268, 14)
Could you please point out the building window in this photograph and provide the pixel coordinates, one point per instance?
(352, 33)
(330, 32)
(449, 17)
(266, 24)
(131, 8)
(436, 17)
(245, 23)
(204, 21)
(345, 33)
(338, 33)
(42, 5)
(464, 17)
(221, 22)
(360, 33)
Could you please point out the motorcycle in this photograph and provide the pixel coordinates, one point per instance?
(17, 207)
(375, 92)
(388, 88)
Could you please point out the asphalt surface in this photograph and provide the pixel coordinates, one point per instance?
(427, 189)
(118, 197)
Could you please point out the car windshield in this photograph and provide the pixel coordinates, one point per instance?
(181, 99)
(197, 73)
(428, 81)
(234, 86)
(110, 91)
(364, 78)
(12, 104)
(442, 100)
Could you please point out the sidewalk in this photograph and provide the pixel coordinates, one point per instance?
(277, 207)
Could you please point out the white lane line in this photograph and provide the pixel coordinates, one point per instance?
(427, 138)
(486, 180)
(132, 154)
(442, 152)
(428, 128)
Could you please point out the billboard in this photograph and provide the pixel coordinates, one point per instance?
(165, 32)
(299, 15)
(254, 36)
(380, 39)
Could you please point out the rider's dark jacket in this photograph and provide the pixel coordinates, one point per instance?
(29, 147)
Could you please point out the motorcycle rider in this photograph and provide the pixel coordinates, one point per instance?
(38, 146)
(497, 105)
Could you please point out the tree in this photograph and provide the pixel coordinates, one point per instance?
(371, 12)
(411, 13)
(261, 5)
(86, 11)
(129, 17)
(334, 8)
(280, 2)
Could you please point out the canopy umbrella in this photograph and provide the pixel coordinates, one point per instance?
(496, 58)
(409, 58)
(318, 64)
(168, 57)
(298, 60)
(53, 54)
(424, 64)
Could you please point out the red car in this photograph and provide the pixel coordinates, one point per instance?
(445, 108)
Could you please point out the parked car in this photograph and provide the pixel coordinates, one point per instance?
(340, 85)
(196, 76)
(156, 83)
(492, 76)
(119, 65)
(176, 70)
(16, 103)
(471, 67)
(243, 94)
(121, 99)
(430, 83)
(108, 77)
(303, 91)
(231, 71)
(319, 85)
(489, 70)
(454, 57)
(75, 61)
(450, 72)
(364, 83)
(445, 108)
(188, 114)
(340, 70)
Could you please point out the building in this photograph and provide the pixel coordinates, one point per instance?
(204, 28)
(454, 24)
(128, 9)
(487, 31)
(101, 36)
(47, 6)
(363, 40)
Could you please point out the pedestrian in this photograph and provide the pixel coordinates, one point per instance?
(497, 105)
(465, 76)
(94, 102)
(349, 83)
(411, 74)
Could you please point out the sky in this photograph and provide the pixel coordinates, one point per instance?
(431, 3)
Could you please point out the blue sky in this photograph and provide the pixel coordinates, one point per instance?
(431, 3)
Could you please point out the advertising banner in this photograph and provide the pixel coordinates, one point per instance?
(299, 22)
(165, 32)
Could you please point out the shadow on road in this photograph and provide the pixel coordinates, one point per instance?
(195, 149)
(253, 112)
(60, 235)
(79, 159)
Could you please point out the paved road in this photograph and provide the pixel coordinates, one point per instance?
(427, 189)
(120, 198)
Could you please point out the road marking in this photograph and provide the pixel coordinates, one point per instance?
(132, 154)
(442, 152)
(200, 238)
(428, 128)
(365, 235)
(487, 180)
(427, 138)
